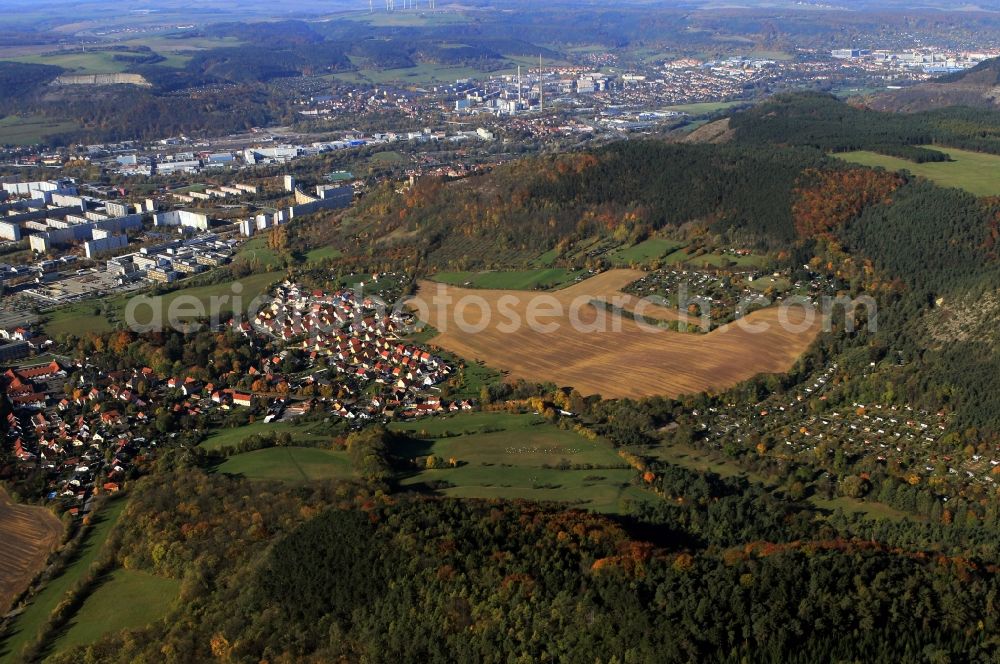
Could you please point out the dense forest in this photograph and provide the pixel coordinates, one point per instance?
(20, 79)
(625, 191)
(824, 122)
(337, 576)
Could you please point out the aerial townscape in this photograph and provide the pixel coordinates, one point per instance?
(500, 331)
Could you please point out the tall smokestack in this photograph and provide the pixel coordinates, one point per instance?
(519, 85)
(541, 86)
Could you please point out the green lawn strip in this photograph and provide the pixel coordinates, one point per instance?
(503, 455)
(289, 464)
(536, 447)
(222, 293)
(714, 260)
(468, 423)
(387, 157)
(645, 251)
(31, 129)
(77, 319)
(79, 62)
(255, 250)
(28, 624)
(127, 599)
(232, 437)
(84, 317)
(976, 172)
(546, 259)
(601, 490)
(704, 108)
(780, 284)
(322, 253)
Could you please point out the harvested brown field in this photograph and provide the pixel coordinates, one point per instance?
(572, 343)
(27, 535)
(608, 285)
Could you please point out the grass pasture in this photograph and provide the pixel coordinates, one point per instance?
(32, 129)
(231, 437)
(27, 535)
(126, 599)
(544, 278)
(645, 251)
(976, 172)
(289, 464)
(714, 260)
(77, 318)
(467, 424)
(83, 317)
(530, 447)
(504, 455)
(79, 62)
(255, 250)
(322, 253)
(546, 259)
(603, 490)
(779, 284)
(704, 108)
(390, 157)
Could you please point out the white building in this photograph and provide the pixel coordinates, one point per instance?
(184, 218)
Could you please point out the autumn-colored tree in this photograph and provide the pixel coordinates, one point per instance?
(277, 238)
(826, 200)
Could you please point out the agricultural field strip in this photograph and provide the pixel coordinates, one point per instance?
(631, 363)
(27, 535)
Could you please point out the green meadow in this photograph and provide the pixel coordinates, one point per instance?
(976, 172)
(644, 252)
(79, 61)
(127, 599)
(289, 464)
(29, 624)
(715, 260)
(85, 317)
(32, 129)
(704, 108)
(255, 250)
(232, 437)
(387, 157)
(77, 318)
(503, 455)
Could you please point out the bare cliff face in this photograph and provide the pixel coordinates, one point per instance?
(978, 87)
(101, 79)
